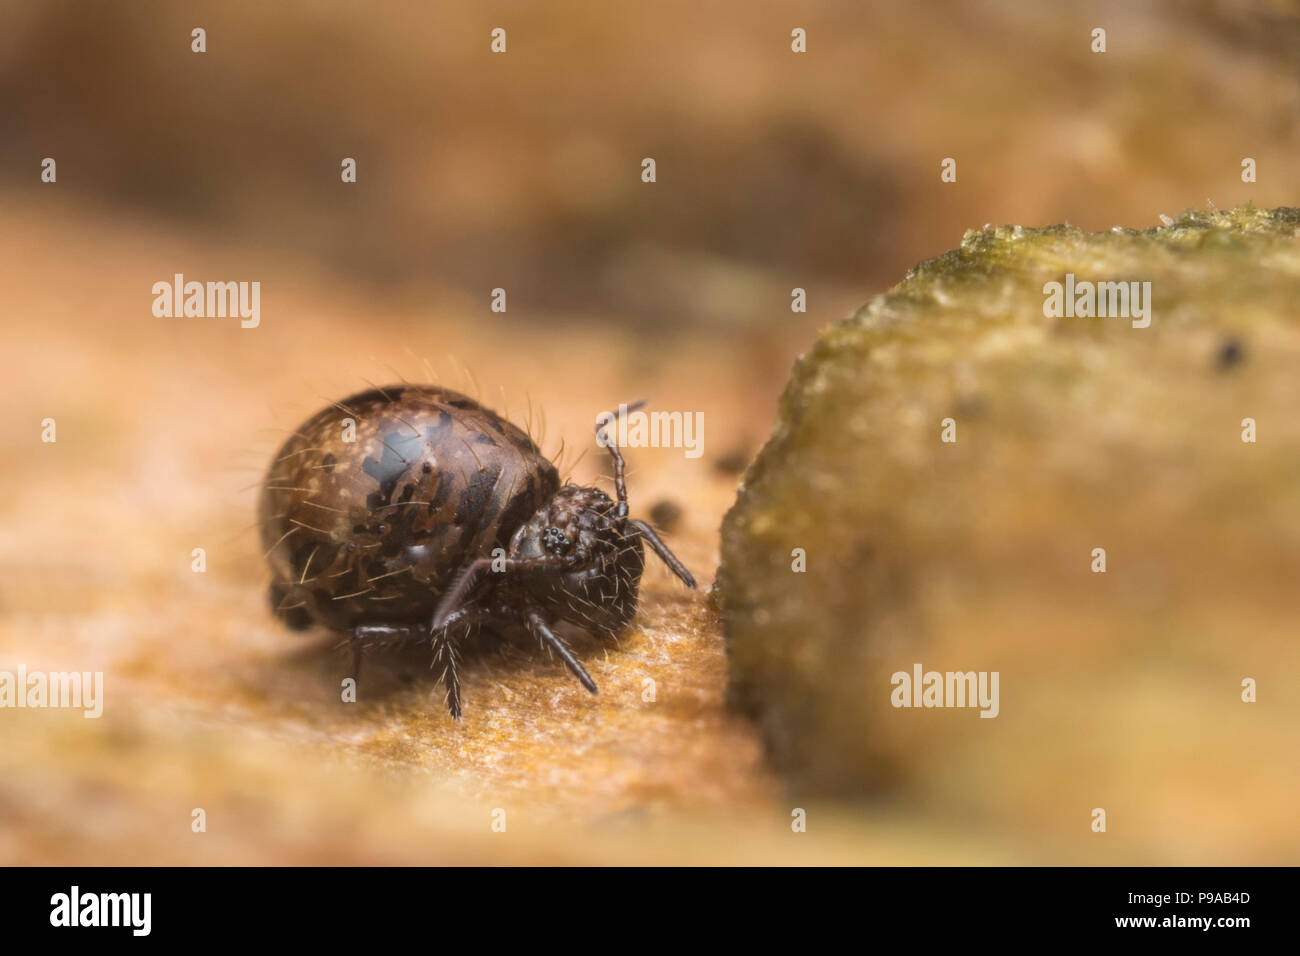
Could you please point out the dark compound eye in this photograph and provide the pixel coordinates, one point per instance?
(554, 541)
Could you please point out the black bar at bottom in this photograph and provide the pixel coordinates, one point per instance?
(216, 906)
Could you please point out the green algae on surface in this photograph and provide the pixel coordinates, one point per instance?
(1119, 689)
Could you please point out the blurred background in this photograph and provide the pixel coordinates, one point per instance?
(476, 170)
(775, 169)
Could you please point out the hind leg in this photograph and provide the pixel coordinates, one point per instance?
(369, 635)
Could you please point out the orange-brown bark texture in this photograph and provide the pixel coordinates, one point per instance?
(164, 432)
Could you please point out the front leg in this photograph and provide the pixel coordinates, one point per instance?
(538, 627)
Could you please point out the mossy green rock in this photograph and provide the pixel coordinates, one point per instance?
(1120, 690)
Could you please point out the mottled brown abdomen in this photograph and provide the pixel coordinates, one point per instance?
(372, 530)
